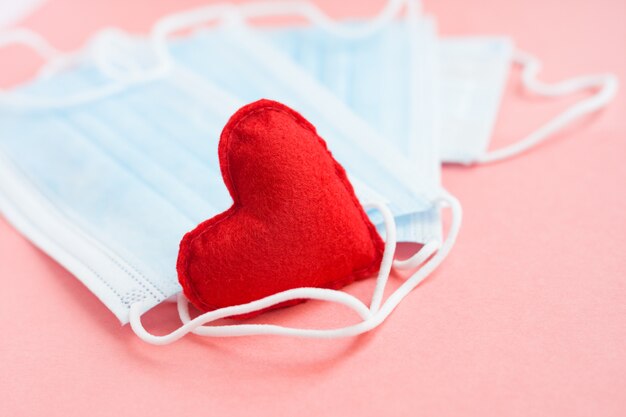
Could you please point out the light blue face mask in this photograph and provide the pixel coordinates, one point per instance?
(229, 54)
(107, 163)
(408, 184)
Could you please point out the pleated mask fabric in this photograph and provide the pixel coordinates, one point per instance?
(108, 186)
(397, 99)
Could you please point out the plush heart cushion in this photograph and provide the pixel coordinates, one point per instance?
(295, 220)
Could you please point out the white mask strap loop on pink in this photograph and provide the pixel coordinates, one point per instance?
(606, 84)
(57, 61)
(323, 294)
(371, 317)
(379, 314)
(110, 43)
(225, 13)
(30, 39)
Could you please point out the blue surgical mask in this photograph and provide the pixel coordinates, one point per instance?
(275, 74)
(108, 160)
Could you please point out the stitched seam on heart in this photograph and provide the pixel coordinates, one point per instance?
(369, 269)
(233, 210)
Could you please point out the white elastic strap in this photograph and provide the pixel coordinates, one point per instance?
(30, 39)
(416, 260)
(58, 61)
(161, 30)
(294, 294)
(371, 318)
(169, 25)
(315, 15)
(606, 84)
(35, 42)
(202, 15)
(373, 321)
(114, 53)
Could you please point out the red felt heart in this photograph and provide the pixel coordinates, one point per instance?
(295, 221)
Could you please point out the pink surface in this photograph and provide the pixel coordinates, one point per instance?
(527, 317)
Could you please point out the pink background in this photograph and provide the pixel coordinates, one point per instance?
(527, 317)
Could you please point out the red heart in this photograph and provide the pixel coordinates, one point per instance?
(295, 221)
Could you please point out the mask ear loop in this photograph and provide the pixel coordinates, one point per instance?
(381, 281)
(417, 259)
(315, 15)
(161, 30)
(168, 25)
(371, 319)
(52, 56)
(606, 83)
(294, 294)
(446, 200)
(56, 61)
(32, 40)
(306, 9)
